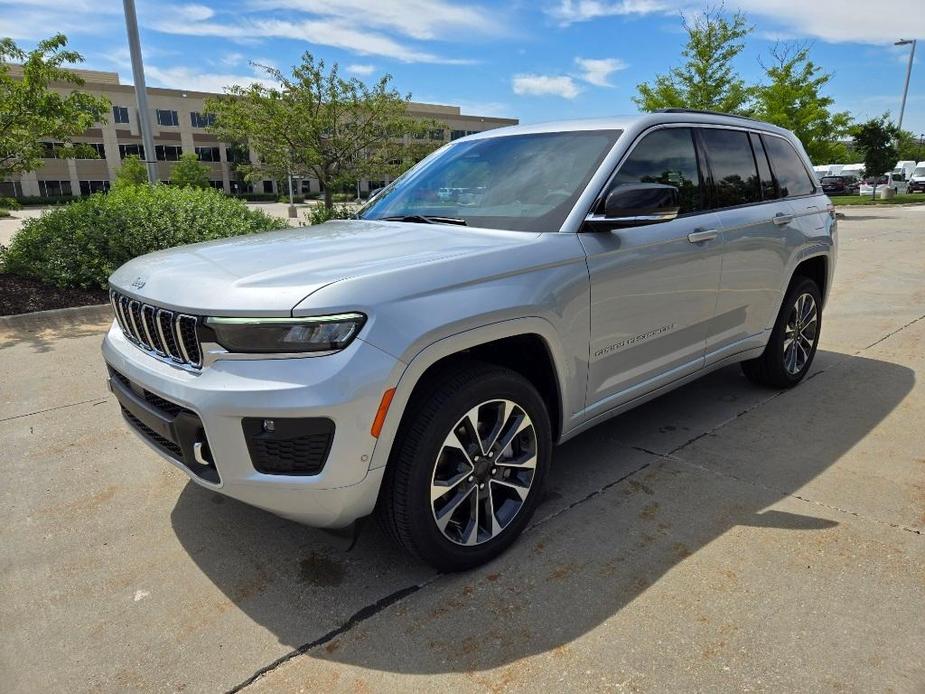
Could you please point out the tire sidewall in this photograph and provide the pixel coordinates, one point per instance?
(426, 536)
(803, 285)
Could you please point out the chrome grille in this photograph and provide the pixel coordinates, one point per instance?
(166, 334)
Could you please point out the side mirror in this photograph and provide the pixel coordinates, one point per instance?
(636, 204)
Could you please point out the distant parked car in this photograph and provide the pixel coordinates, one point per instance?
(917, 180)
(840, 185)
(890, 180)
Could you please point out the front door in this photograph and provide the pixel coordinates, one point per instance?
(653, 287)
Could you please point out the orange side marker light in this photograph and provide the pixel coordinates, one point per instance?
(382, 412)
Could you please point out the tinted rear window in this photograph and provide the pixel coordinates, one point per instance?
(788, 167)
(735, 177)
(768, 186)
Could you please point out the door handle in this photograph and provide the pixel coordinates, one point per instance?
(702, 235)
(781, 218)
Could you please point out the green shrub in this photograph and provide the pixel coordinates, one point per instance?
(257, 197)
(296, 199)
(343, 197)
(10, 204)
(80, 245)
(320, 214)
(4, 213)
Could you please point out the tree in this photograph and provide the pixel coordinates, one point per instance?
(189, 171)
(792, 99)
(874, 139)
(318, 124)
(707, 80)
(31, 111)
(132, 172)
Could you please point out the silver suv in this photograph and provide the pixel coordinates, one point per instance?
(513, 289)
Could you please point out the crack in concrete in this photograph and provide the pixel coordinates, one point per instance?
(95, 401)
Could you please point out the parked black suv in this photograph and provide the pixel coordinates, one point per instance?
(841, 185)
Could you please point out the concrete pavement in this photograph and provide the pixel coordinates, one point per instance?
(720, 537)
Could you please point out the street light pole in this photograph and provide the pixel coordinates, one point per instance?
(141, 91)
(902, 108)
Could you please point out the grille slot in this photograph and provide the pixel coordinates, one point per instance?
(290, 446)
(157, 330)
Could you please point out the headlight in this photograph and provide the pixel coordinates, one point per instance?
(275, 335)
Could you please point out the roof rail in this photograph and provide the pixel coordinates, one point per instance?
(705, 112)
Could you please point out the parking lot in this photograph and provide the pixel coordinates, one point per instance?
(722, 537)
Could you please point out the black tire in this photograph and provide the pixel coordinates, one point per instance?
(405, 508)
(770, 368)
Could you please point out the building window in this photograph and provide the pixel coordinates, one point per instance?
(10, 189)
(168, 118)
(237, 154)
(91, 187)
(218, 185)
(201, 120)
(54, 189)
(239, 187)
(120, 114)
(268, 186)
(128, 150)
(456, 134)
(98, 147)
(436, 134)
(50, 149)
(208, 154)
(168, 152)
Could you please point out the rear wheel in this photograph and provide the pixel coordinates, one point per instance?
(468, 467)
(794, 338)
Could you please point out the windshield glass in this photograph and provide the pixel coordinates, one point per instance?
(518, 182)
(919, 171)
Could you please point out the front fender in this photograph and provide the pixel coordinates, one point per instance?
(411, 373)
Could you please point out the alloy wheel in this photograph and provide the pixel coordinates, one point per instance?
(483, 472)
(800, 333)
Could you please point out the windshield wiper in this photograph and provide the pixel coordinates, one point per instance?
(424, 219)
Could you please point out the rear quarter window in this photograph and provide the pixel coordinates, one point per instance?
(791, 175)
(730, 159)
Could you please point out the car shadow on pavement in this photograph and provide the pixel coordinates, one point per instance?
(621, 518)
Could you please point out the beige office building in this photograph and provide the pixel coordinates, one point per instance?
(179, 126)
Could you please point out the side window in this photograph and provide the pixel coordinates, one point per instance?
(665, 156)
(768, 187)
(788, 167)
(735, 178)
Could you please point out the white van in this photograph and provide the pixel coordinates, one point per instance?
(917, 179)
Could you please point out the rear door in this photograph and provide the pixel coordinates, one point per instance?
(753, 219)
(653, 288)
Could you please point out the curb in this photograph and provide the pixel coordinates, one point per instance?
(57, 317)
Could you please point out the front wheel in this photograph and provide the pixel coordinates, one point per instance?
(468, 467)
(794, 339)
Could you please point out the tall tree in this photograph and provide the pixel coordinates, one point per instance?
(189, 171)
(874, 138)
(707, 79)
(31, 111)
(318, 124)
(792, 98)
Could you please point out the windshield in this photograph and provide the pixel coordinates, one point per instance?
(919, 171)
(518, 182)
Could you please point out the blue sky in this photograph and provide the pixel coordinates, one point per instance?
(535, 61)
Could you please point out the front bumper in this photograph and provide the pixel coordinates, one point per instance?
(345, 388)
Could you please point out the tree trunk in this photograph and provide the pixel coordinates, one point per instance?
(328, 198)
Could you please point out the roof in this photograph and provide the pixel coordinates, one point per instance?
(637, 121)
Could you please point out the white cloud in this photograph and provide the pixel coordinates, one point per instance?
(545, 85)
(597, 71)
(835, 21)
(193, 80)
(571, 11)
(419, 19)
(361, 69)
(232, 59)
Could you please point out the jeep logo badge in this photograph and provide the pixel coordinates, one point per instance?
(138, 283)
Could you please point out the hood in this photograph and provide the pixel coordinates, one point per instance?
(270, 273)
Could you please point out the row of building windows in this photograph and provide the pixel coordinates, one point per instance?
(456, 134)
(52, 150)
(166, 117)
(173, 153)
(52, 188)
